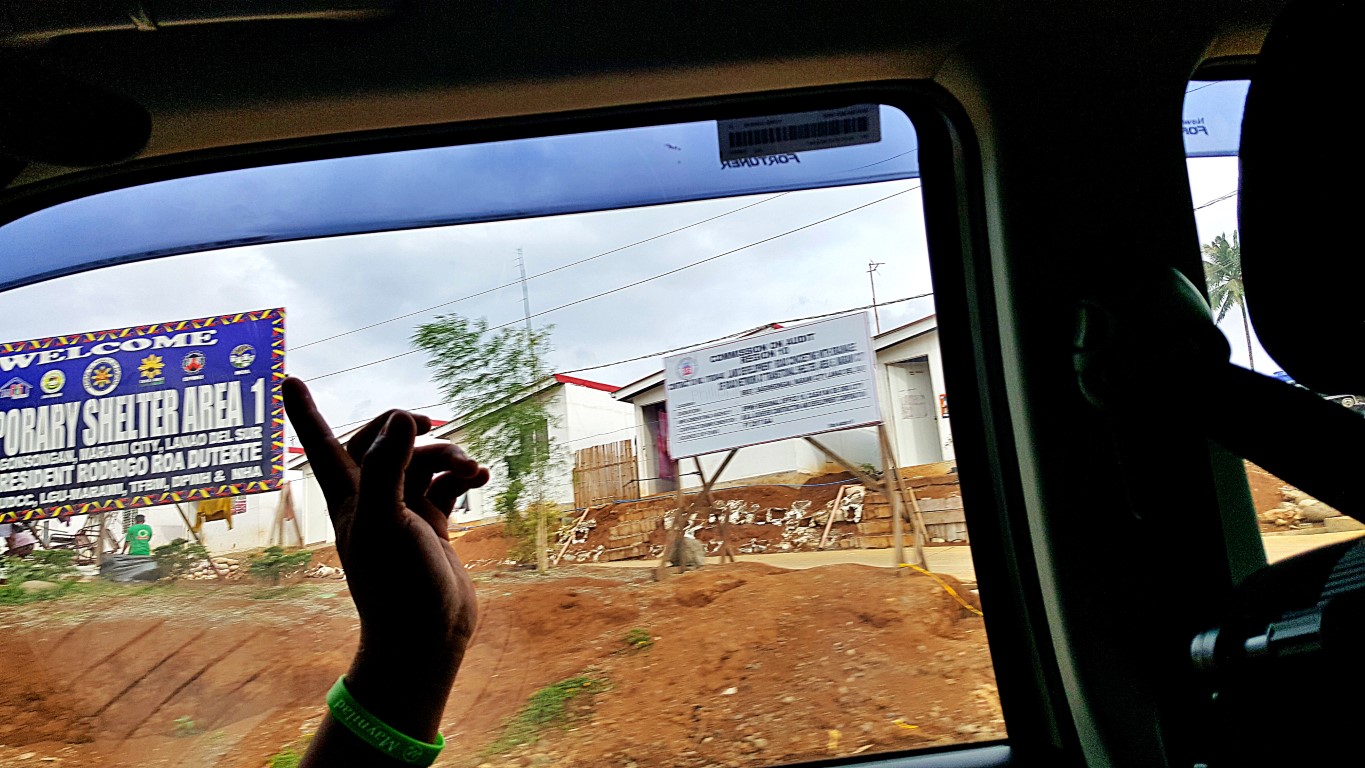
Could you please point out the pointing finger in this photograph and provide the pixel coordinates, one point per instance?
(334, 469)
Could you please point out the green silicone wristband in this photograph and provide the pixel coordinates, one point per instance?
(373, 731)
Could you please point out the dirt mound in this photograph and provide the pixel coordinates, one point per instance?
(482, 548)
(759, 665)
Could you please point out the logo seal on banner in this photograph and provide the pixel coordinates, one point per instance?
(193, 363)
(242, 356)
(102, 376)
(52, 382)
(15, 389)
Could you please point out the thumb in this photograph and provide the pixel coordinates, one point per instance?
(382, 470)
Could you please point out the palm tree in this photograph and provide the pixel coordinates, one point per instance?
(1223, 275)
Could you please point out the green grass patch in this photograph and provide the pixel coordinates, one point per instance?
(638, 639)
(290, 756)
(547, 708)
(272, 593)
(285, 758)
(185, 726)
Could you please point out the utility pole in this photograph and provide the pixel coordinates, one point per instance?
(525, 295)
(542, 534)
(872, 268)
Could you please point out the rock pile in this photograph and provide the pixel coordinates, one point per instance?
(230, 568)
(321, 571)
(1296, 510)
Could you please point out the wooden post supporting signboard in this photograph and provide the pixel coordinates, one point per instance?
(890, 488)
(726, 553)
(898, 487)
(99, 539)
(675, 534)
(195, 533)
(671, 534)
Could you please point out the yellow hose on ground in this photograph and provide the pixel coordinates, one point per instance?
(946, 588)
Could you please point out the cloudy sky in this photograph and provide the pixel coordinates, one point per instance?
(340, 284)
(337, 285)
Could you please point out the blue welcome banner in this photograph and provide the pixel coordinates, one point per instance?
(141, 416)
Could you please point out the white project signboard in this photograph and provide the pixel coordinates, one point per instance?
(787, 383)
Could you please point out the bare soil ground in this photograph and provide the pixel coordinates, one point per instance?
(746, 664)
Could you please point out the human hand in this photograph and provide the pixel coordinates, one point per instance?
(390, 505)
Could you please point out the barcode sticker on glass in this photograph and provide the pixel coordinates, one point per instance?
(799, 132)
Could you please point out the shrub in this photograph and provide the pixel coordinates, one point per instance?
(179, 558)
(53, 565)
(41, 565)
(273, 564)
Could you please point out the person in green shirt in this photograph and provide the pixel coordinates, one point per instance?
(139, 541)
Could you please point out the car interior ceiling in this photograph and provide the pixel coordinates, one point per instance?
(1055, 316)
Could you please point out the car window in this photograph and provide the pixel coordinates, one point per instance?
(1290, 520)
(612, 322)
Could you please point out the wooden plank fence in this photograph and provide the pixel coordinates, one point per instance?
(943, 519)
(605, 473)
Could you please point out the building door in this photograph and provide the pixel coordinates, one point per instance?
(914, 411)
(658, 468)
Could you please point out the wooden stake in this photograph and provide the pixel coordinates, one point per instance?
(569, 540)
(921, 529)
(199, 541)
(829, 523)
(542, 539)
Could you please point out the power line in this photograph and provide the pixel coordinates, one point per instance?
(540, 274)
(751, 330)
(682, 348)
(1228, 196)
(637, 282)
(1209, 85)
(738, 333)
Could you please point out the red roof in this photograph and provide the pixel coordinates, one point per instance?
(565, 379)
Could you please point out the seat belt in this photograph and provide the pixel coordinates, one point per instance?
(1315, 445)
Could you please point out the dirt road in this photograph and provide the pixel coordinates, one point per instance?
(740, 665)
